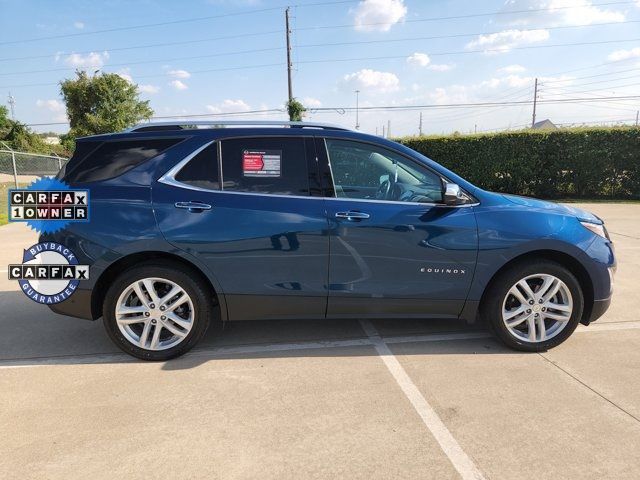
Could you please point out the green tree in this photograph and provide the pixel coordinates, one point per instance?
(296, 109)
(5, 121)
(20, 137)
(101, 104)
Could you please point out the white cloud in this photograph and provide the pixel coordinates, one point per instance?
(150, 89)
(52, 105)
(78, 25)
(512, 69)
(453, 94)
(311, 102)
(422, 60)
(367, 79)
(516, 81)
(620, 55)
(124, 73)
(92, 60)
(179, 74)
(378, 15)
(56, 107)
(419, 59)
(559, 12)
(178, 85)
(229, 106)
(442, 67)
(504, 41)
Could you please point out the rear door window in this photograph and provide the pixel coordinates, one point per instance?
(112, 159)
(271, 165)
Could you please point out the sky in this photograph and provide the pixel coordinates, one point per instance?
(456, 62)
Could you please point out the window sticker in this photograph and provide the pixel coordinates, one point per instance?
(261, 163)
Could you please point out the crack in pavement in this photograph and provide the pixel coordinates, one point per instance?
(588, 387)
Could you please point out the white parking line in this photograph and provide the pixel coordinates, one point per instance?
(452, 449)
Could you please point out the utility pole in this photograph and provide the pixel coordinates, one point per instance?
(286, 18)
(420, 126)
(475, 128)
(637, 115)
(12, 104)
(357, 106)
(383, 135)
(535, 102)
(388, 128)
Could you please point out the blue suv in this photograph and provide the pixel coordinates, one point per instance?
(197, 222)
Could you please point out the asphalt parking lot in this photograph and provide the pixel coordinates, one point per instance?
(333, 399)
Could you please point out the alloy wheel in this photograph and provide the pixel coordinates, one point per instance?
(154, 313)
(537, 308)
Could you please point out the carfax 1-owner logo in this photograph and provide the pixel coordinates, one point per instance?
(49, 273)
(48, 205)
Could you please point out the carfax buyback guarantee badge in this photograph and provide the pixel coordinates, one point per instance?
(49, 273)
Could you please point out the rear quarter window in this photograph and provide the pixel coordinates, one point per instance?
(111, 159)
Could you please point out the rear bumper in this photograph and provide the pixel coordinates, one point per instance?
(77, 305)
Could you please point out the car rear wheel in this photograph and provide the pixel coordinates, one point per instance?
(156, 312)
(534, 306)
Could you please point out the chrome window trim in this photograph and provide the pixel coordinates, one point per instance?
(472, 199)
(220, 171)
(169, 179)
(339, 199)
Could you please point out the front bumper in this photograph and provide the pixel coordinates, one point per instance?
(599, 308)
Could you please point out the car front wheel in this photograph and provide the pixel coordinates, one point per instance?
(156, 312)
(534, 306)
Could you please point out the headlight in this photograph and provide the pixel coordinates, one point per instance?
(598, 229)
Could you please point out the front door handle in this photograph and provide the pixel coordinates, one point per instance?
(353, 216)
(193, 207)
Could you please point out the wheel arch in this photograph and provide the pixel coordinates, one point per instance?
(122, 264)
(566, 260)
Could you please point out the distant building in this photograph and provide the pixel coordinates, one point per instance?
(52, 140)
(545, 124)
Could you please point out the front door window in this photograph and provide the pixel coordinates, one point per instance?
(367, 172)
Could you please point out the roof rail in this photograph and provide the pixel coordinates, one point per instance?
(187, 124)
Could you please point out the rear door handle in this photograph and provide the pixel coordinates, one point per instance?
(193, 206)
(353, 216)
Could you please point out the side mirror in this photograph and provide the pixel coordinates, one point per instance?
(453, 194)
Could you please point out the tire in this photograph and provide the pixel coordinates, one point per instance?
(504, 309)
(180, 324)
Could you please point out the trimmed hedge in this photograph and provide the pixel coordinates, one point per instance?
(581, 163)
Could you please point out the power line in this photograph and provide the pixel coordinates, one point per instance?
(478, 104)
(387, 57)
(209, 70)
(135, 27)
(393, 107)
(465, 52)
(198, 115)
(152, 45)
(472, 15)
(251, 34)
(457, 35)
(604, 81)
(159, 60)
(172, 22)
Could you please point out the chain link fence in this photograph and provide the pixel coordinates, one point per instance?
(20, 168)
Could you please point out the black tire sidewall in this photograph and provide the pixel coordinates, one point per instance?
(492, 306)
(181, 276)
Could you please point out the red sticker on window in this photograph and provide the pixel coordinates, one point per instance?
(261, 163)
